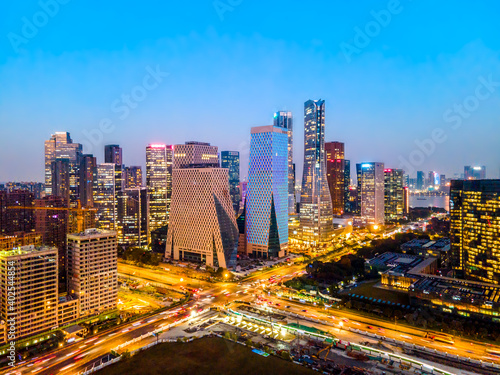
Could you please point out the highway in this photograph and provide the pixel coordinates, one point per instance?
(74, 357)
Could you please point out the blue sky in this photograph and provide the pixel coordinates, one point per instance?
(232, 63)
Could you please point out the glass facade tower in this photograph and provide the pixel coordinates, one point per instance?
(284, 120)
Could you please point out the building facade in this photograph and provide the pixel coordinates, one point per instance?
(475, 172)
(159, 184)
(88, 175)
(316, 216)
(61, 146)
(474, 228)
(60, 179)
(193, 152)
(133, 214)
(92, 270)
(32, 272)
(284, 120)
(16, 214)
(113, 154)
(133, 177)
(394, 194)
(267, 195)
(371, 198)
(202, 226)
(335, 172)
(105, 195)
(231, 161)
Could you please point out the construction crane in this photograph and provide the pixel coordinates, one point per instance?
(80, 212)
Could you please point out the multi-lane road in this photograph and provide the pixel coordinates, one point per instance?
(75, 357)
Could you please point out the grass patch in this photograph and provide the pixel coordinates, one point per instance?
(207, 356)
(369, 290)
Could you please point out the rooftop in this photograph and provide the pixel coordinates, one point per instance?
(24, 250)
(93, 232)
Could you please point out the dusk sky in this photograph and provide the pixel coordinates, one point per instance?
(210, 70)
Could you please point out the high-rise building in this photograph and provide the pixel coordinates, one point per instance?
(32, 271)
(347, 184)
(61, 146)
(316, 216)
(433, 180)
(475, 228)
(420, 180)
(88, 174)
(371, 192)
(113, 154)
(267, 196)
(20, 219)
(133, 217)
(105, 195)
(394, 194)
(159, 184)
(53, 225)
(231, 161)
(406, 199)
(335, 171)
(133, 177)
(60, 179)
(195, 153)
(406, 180)
(475, 172)
(284, 120)
(92, 270)
(202, 226)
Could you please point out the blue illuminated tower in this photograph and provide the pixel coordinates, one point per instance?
(267, 194)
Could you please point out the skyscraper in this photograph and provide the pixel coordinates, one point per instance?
(475, 228)
(60, 179)
(348, 209)
(133, 217)
(133, 177)
(284, 120)
(92, 270)
(193, 152)
(231, 161)
(202, 225)
(159, 184)
(394, 194)
(475, 172)
(371, 192)
(316, 216)
(113, 154)
(21, 219)
(61, 146)
(105, 194)
(335, 172)
(420, 180)
(88, 174)
(267, 196)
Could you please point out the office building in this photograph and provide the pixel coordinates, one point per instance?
(394, 194)
(194, 153)
(284, 120)
(133, 177)
(61, 146)
(316, 216)
(267, 195)
(16, 214)
(92, 270)
(60, 179)
(347, 184)
(371, 193)
(37, 188)
(159, 184)
(35, 282)
(406, 180)
(474, 229)
(231, 161)
(105, 195)
(475, 172)
(202, 226)
(18, 239)
(335, 172)
(113, 154)
(88, 175)
(133, 217)
(420, 180)
(433, 180)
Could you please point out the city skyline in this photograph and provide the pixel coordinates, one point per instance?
(397, 89)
